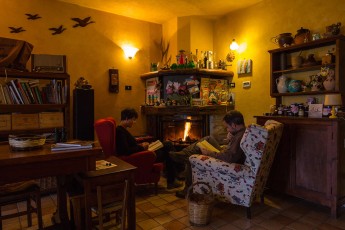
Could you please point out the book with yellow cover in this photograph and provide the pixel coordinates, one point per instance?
(205, 145)
(155, 145)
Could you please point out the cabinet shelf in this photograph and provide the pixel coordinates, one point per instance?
(7, 75)
(302, 69)
(320, 46)
(308, 45)
(304, 93)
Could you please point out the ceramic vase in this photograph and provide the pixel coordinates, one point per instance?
(282, 84)
(329, 83)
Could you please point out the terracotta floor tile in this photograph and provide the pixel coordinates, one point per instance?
(148, 224)
(178, 213)
(298, 225)
(162, 219)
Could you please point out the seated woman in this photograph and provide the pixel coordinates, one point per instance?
(127, 145)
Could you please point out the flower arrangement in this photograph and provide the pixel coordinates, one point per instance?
(314, 83)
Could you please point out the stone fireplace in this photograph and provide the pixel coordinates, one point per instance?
(169, 122)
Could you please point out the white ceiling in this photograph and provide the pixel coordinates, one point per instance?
(160, 11)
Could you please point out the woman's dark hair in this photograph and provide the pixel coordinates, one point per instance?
(234, 117)
(128, 113)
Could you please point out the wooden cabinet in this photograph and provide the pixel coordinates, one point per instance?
(310, 160)
(281, 65)
(61, 105)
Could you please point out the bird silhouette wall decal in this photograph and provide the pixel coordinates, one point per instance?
(16, 29)
(33, 16)
(82, 22)
(58, 30)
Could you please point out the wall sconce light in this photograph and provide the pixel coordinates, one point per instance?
(231, 55)
(129, 51)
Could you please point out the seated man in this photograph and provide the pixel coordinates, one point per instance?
(127, 145)
(231, 152)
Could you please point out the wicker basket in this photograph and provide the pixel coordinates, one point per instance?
(200, 206)
(26, 142)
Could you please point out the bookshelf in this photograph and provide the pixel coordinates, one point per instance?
(49, 94)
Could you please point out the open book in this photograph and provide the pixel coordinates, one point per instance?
(205, 145)
(155, 145)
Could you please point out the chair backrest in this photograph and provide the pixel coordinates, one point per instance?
(112, 198)
(259, 144)
(106, 133)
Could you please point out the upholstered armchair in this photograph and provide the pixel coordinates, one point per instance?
(241, 184)
(147, 172)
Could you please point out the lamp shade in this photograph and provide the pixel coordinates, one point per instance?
(333, 99)
(129, 51)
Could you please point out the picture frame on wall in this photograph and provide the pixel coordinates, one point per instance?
(244, 66)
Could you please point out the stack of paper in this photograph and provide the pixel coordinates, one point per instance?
(72, 145)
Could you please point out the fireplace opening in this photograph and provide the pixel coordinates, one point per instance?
(182, 129)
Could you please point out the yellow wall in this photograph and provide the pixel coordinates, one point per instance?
(91, 50)
(254, 27)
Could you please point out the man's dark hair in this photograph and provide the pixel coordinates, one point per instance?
(128, 113)
(234, 117)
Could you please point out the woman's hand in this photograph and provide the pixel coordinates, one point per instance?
(145, 145)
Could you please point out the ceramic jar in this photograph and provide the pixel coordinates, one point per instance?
(282, 84)
(295, 86)
(302, 36)
(296, 61)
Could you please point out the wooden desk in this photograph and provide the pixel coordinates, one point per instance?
(27, 165)
(122, 171)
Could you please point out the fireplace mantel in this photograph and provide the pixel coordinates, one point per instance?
(185, 110)
(201, 72)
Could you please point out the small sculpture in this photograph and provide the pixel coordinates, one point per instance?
(58, 30)
(82, 22)
(33, 16)
(16, 30)
(82, 83)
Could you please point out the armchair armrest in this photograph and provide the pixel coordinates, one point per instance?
(144, 160)
(207, 163)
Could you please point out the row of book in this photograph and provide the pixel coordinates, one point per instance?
(22, 91)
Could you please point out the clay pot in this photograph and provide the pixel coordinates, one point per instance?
(302, 36)
(283, 40)
(296, 62)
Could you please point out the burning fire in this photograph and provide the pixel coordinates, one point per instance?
(187, 126)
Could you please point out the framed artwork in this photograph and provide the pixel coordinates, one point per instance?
(244, 66)
(315, 110)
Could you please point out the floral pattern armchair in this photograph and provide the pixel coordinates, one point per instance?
(241, 184)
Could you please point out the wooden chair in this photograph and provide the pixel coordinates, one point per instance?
(18, 192)
(111, 200)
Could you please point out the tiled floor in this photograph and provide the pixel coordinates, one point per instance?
(165, 211)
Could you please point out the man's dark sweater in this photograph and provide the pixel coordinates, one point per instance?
(126, 143)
